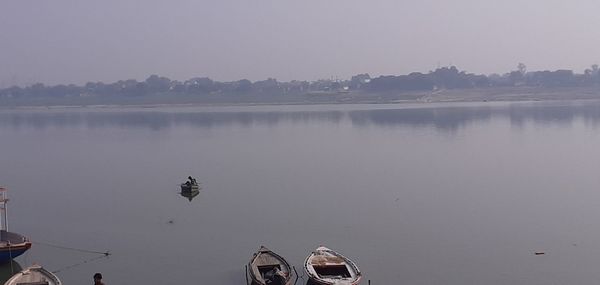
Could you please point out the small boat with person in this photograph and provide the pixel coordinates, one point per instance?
(269, 268)
(190, 186)
(34, 275)
(327, 267)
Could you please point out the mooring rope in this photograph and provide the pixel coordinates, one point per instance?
(105, 253)
(79, 263)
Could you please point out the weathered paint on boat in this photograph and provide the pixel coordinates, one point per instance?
(8, 252)
(327, 267)
(263, 261)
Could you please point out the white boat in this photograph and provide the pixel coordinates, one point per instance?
(34, 275)
(327, 267)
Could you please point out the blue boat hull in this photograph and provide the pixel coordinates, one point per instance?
(7, 253)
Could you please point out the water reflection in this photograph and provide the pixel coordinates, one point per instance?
(9, 269)
(444, 117)
(555, 114)
(158, 120)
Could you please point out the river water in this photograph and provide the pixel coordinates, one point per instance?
(461, 193)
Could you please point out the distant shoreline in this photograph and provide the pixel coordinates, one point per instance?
(503, 94)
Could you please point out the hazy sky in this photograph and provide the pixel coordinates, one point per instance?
(60, 41)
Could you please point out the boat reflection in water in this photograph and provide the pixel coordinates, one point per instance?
(8, 269)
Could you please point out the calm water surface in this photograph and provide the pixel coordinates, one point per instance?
(415, 194)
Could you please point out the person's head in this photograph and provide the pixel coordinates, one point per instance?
(97, 277)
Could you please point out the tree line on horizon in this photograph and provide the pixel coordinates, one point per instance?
(439, 79)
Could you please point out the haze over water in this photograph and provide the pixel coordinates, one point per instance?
(414, 194)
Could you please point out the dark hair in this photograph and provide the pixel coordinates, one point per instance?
(97, 276)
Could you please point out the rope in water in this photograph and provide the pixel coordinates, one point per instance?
(79, 263)
(105, 253)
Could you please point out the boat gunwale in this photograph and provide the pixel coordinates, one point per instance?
(13, 246)
(34, 268)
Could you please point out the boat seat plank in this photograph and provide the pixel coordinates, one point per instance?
(265, 259)
(327, 260)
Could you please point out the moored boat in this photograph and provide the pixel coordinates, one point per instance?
(11, 244)
(267, 267)
(327, 267)
(34, 275)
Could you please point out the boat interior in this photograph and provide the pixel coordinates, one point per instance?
(263, 269)
(35, 283)
(11, 238)
(333, 271)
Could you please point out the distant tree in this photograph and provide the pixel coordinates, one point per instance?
(515, 77)
(12, 92)
(450, 78)
(156, 84)
(266, 86)
(359, 80)
(201, 85)
(495, 79)
(522, 68)
(141, 88)
(177, 87)
(479, 80)
(591, 75)
(413, 82)
(295, 86)
(558, 78)
(244, 86)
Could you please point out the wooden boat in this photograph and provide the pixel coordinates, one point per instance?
(34, 275)
(327, 267)
(189, 187)
(189, 195)
(267, 267)
(11, 244)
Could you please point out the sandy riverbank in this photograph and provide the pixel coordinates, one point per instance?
(457, 95)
